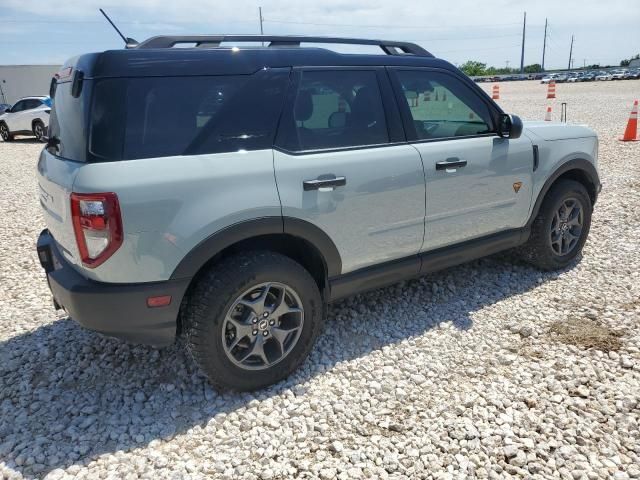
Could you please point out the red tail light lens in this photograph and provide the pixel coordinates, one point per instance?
(97, 223)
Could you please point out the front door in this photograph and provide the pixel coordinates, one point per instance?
(477, 182)
(337, 167)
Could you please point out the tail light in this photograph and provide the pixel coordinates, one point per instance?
(97, 224)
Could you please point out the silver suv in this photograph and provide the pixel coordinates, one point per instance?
(229, 193)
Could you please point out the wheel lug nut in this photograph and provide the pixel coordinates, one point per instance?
(272, 322)
(255, 320)
(265, 333)
(255, 332)
(265, 314)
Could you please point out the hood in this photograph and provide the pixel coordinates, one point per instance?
(557, 131)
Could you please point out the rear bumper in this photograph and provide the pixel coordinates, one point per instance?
(117, 310)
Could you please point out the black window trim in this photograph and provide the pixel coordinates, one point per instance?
(393, 119)
(407, 118)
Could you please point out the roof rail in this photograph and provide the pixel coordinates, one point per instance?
(212, 41)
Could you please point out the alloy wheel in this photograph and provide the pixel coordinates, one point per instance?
(566, 226)
(262, 326)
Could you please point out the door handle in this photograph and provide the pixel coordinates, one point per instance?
(324, 181)
(453, 162)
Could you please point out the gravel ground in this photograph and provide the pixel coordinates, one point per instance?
(468, 373)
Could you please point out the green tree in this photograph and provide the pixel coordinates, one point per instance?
(627, 61)
(535, 68)
(473, 68)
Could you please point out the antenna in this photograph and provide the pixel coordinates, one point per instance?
(128, 41)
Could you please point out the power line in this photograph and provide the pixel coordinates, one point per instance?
(368, 25)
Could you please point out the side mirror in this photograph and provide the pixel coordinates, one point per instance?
(509, 126)
(8, 110)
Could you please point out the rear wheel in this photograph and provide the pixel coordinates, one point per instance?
(561, 228)
(252, 319)
(39, 130)
(4, 133)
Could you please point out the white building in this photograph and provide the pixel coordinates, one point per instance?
(17, 81)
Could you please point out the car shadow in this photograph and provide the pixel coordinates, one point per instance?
(82, 395)
(26, 140)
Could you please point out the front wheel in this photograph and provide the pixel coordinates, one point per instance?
(252, 319)
(561, 228)
(4, 132)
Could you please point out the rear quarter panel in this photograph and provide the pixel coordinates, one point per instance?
(171, 204)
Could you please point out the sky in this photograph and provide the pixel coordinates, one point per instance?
(490, 31)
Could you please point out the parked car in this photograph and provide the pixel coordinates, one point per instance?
(4, 106)
(603, 76)
(618, 74)
(632, 74)
(574, 77)
(28, 116)
(588, 77)
(281, 179)
(548, 78)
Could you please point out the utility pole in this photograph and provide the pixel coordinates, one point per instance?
(261, 20)
(507, 61)
(584, 63)
(524, 28)
(570, 52)
(544, 43)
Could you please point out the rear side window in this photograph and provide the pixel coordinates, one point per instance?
(441, 106)
(335, 109)
(167, 116)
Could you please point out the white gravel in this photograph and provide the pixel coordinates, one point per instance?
(451, 376)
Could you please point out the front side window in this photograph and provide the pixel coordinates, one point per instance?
(19, 106)
(441, 106)
(335, 109)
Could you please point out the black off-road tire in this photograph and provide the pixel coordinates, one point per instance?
(538, 250)
(38, 127)
(214, 295)
(5, 134)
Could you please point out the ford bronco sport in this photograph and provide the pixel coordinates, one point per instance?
(227, 192)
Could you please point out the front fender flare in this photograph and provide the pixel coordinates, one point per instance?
(585, 167)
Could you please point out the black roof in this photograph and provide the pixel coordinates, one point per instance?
(154, 57)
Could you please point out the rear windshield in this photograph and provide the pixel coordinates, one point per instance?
(165, 116)
(68, 122)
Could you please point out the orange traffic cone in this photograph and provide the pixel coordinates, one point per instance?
(547, 117)
(631, 132)
(551, 90)
(495, 95)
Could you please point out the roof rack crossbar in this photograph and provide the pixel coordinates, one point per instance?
(212, 41)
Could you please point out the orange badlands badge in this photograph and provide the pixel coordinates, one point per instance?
(516, 186)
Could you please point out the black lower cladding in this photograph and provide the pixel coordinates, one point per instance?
(387, 273)
(117, 310)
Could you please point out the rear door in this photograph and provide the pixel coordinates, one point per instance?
(342, 163)
(477, 183)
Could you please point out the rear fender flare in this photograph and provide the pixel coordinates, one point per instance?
(245, 230)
